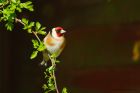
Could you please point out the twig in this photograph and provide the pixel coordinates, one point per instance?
(54, 77)
(18, 20)
(55, 81)
(36, 36)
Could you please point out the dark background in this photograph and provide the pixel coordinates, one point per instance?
(98, 56)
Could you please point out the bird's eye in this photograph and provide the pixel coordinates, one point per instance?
(58, 30)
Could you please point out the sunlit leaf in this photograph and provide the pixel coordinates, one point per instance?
(41, 32)
(43, 28)
(35, 43)
(24, 20)
(44, 86)
(64, 90)
(34, 54)
(9, 26)
(38, 25)
(31, 24)
(41, 47)
(27, 5)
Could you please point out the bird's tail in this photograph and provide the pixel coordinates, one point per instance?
(45, 58)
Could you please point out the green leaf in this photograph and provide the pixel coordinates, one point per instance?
(12, 7)
(29, 30)
(31, 24)
(50, 68)
(19, 9)
(25, 27)
(34, 54)
(8, 14)
(13, 1)
(24, 20)
(9, 26)
(41, 32)
(51, 85)
(57, 61)
(41, 47)
(46, 75)
(43, 28)
(27, 5)
(35, 43)
(64, 90)
(44, 87)
(53, 55)
(38, 25)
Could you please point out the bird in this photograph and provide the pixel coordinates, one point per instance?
(54, 43)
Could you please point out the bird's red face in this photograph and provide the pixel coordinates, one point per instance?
(59, 31)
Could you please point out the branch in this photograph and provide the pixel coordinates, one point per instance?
(53, 60)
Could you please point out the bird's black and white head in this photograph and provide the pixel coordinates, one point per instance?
(58, 32)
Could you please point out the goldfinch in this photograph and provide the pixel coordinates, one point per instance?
(54, 43)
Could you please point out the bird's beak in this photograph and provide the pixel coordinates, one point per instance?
(63, 31)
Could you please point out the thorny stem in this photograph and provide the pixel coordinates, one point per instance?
(52, 59)
(18, 20)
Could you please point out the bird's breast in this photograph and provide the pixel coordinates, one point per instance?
(54, 45)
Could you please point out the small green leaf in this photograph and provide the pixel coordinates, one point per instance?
(29, 30)
(43, 28)
(18, 9)
(64, 90)
(38, 25)
(27, 5)
(25, 21)
(41, 32)
(51, 85)
(44, 87)
(13, 7)
(53, 55)
(50, 68)
(9, 26)
(34, 54)
(35, 43)
(46, 75)
(57, 61)
(31, 24)
(25, 27)
(41, 47)
(13, 1)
